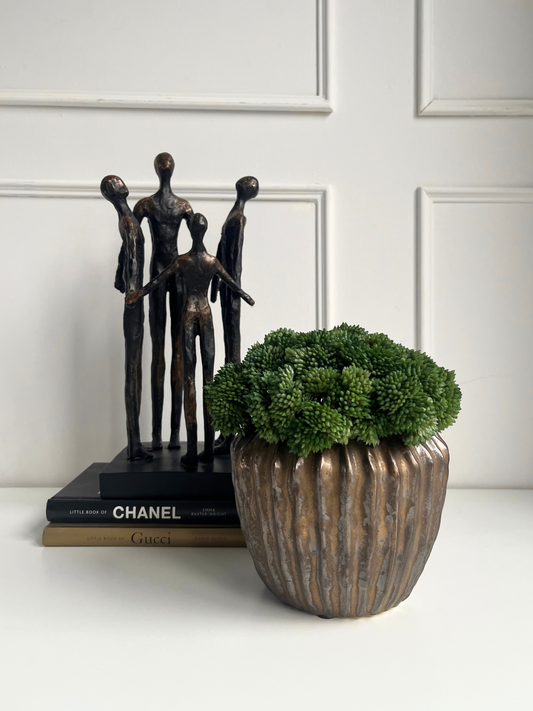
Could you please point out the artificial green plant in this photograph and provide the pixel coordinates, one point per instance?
(313, 390)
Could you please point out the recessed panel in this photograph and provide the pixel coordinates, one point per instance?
(482, 316)
(482, 49)
(62, 374)
(165, 47)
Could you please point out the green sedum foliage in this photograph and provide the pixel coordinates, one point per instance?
(313, 390)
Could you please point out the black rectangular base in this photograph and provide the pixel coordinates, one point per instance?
(164, 477)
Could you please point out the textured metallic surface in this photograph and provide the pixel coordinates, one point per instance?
(345, 532)
(128, 279)
(165, 212)
(197, 268)
(229, 254)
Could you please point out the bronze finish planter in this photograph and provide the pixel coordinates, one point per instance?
(345, 532)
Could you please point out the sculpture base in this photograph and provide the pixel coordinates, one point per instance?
(165, 477)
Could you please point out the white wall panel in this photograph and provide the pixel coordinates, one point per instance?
(168, 53)
(373, 151)
(476, 308)
(62, 375)
(474, 56)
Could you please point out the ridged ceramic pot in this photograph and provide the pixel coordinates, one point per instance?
(343, 533)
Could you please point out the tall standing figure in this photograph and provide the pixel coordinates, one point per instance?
(198, 269)
(165, 213)
(129, 279)
(229, 253)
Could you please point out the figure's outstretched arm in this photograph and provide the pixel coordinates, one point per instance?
(215, 283)
(134, 296)
(223, 274)
(119, 276)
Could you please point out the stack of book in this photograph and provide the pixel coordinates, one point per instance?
(79, 516)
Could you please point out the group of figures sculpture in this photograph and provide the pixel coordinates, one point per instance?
(186, 279)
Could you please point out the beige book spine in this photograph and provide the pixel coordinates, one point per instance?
(76, 535)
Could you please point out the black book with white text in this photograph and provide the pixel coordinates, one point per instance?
(80, 502)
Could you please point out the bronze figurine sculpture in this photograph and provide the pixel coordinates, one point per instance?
(129, 278)
(198, 268)
(165, 213)
(229, 254)
(186, 279)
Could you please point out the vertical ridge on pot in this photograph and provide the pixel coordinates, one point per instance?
(282, 466)
(365, 549)
(422, 518)
(343, 533)
(306, 531)
(247, 506)
(328, 494)
(380, 529)
(431, 508)
(439, 479)
(268, 507)
(303, 600)
(412, 476)
(267, 566)
(385, 505)
(358, 531)
(394, 512)
(346, 541)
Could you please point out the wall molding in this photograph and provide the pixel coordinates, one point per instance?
(429, 105)
(316, 195)
(425, 264)
(318, 103)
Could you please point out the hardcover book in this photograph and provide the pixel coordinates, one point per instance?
(80, 502)
(56, 534)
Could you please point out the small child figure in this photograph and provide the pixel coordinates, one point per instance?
(198, 269)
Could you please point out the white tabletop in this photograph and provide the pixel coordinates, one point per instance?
(101, 629)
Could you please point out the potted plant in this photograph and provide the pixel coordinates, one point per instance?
(338, 465)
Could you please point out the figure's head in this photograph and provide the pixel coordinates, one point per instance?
(198, 227)
(113, 189)
(164, 165)
(247, 188)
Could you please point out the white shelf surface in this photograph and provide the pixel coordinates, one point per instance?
(98, 629)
